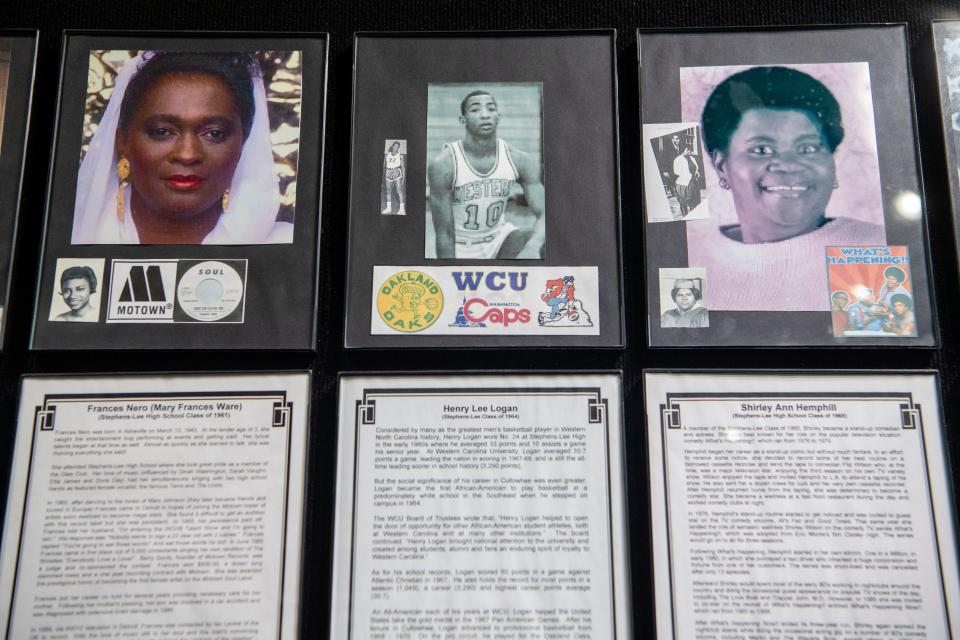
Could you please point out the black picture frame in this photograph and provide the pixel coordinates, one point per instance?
(884, 48)
(577, 70)
(14, 116)
(948, 70)
(278, 281)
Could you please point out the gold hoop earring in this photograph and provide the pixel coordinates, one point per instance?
(123, 172)
(225, 201)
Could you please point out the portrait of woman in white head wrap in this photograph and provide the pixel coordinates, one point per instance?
(184, 151)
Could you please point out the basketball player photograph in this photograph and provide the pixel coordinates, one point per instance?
(485, 189)
(394, 184)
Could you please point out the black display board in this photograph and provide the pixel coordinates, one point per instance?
(557, 96)
(267, 281)
(341, 19)
(17, 57)
(779, 293)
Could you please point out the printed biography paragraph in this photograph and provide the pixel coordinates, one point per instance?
(793, 518)
(482, 518)
(160, 518)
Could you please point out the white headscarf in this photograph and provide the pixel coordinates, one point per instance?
(250, 217)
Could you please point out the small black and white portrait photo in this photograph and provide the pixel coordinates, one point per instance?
(485, 189)
(77, 295)
(673, 172)
(393, 187)
(682, 302)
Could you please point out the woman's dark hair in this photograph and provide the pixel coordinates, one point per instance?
(235, 70)
(79, 273)
(902, 297)
(895, 272)
(769, 88)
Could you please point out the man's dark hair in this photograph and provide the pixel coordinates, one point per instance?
(769, 88)
(478, 92)
(79, 273)
(896, 272)
(235, 70)
(902, 297)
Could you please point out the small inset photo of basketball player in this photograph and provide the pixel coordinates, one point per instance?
(393, 187)
(682, 298)
(673, 172)
(485, 197)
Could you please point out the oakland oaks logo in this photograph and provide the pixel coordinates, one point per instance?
(409, 301)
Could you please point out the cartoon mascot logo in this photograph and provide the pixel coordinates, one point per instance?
(565, 309)
(409, 301)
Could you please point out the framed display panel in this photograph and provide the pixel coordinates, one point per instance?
(17, 58)
(480, 504)
(178, 499)
(480, 164)
(783, 201)
(946, 40)
(184, 193)
(789, 503)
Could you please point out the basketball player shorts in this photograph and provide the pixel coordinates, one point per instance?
(486, 248)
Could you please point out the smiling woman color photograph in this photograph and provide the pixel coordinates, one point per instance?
(773, 135)
(182, 154)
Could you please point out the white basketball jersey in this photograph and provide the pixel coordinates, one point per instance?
(479, 199)
(394, 160)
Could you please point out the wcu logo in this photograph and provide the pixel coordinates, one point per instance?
(494, 280)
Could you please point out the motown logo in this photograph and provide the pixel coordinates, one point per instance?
(409, 301)
(142, 291)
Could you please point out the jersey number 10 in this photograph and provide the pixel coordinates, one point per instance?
(494, 211)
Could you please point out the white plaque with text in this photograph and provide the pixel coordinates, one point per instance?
(480, 506)
(156, 506)
(799, 505)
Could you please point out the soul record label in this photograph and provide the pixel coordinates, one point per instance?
(210, 291)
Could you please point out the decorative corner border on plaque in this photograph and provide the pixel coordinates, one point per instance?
(911, 416)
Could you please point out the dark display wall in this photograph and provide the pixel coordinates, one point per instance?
(341, 18)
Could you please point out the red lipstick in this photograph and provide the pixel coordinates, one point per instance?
(184, 183)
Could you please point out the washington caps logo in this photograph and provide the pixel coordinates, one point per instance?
(142, 291)
(409, 301)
